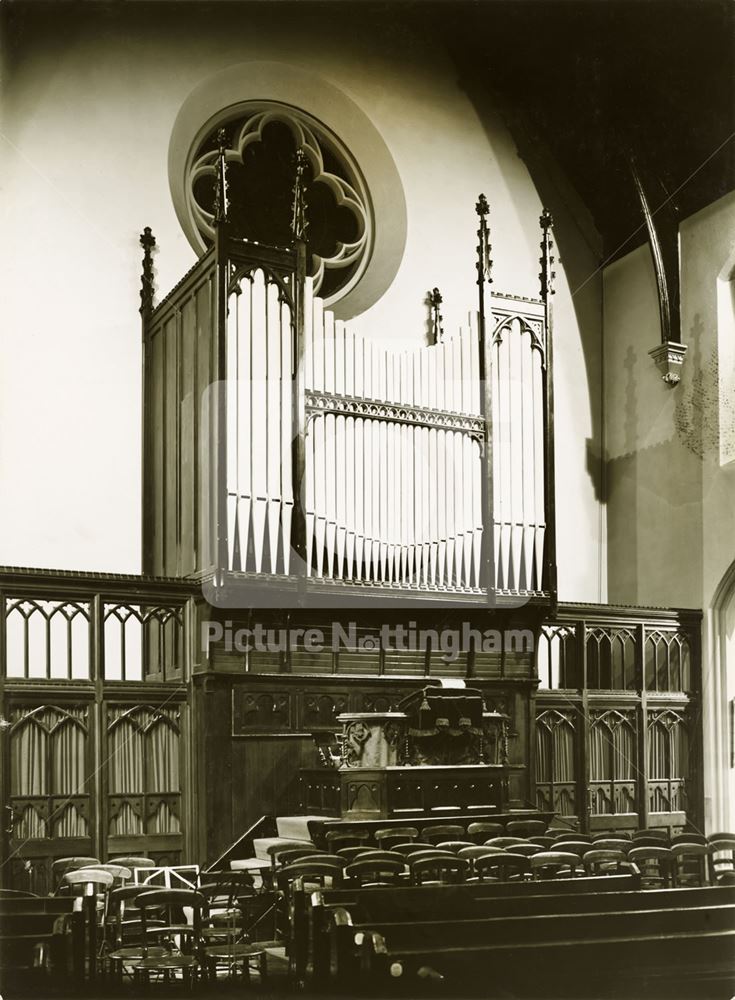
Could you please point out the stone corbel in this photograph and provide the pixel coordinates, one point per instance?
(668, 358)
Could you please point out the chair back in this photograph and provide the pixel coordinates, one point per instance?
(344, 838)
(412, 848)
(455, 845)
(169, 906)
(656, 832)
(447, 869)
(723, 835)
(349, 854)
(691, 864)
(604, 862)
(291, 854)
(376, 871)
(133, 861)
(318, 872)
(546, 841)
(526, 827)
(612, 835)
(578, 847)
(722, 857)
(689, 838)
(505, 843)
(387, 836)
(655, 865)
(527, 850)
(571, 837)
(612, 844)
(479, 851)
(443, 831)
(483, 830)
(505, 866)
(556, 864)
(91, 879)
(120, 873)
(375, 854)
(61, 866)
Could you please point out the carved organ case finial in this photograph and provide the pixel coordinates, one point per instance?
(221, 199)
(546, 260)
(484, 246)
(299, 224)
(437, 322)
(147, 287)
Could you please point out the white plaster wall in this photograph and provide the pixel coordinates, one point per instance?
(89, 106)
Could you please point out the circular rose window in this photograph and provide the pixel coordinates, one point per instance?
(261, 145)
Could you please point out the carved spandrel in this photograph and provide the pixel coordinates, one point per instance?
(261, 713)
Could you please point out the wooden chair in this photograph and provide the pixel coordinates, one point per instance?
(505, 843)
(655, 865)
(92, 885)
(605, 862)
(556, 864)
(722, 857)
(447, 869)
(124, 930)
(275, 850)
(525, 827)
(482, 830)
(502, 866)
(455, 845)
(473, 853)
(388, 836)
(344, 838)
(182, 941)
(612, 835)
(375, 854)
(443, 831)
(290, 856)
(376, 871)
(233, 949)
(61, 866)
(690, 864)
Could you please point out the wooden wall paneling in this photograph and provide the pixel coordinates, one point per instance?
(188, 417)
(204, 340)
(265, 778)
(157, 452)
(171, 450)
(219, 780)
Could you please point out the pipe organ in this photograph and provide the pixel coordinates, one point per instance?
(335, 458)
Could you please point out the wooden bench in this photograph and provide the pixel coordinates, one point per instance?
(310, 911)
(552, 953)
(28, 922)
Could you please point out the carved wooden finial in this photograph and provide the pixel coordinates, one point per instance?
(484, 247)
(147, 287)
(299, 223)
(221, 201)
(546, 260)
(437, 323)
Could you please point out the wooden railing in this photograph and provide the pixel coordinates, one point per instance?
(280, 444)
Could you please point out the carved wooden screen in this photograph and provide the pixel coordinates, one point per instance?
(612, 762)
(50, 790)
(555, 763)
(144, 781)
(668, 761)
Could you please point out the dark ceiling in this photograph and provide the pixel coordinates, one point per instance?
(598, 79)
(587, 80)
